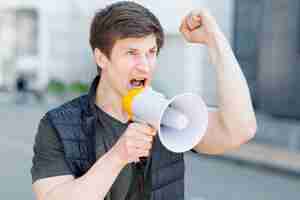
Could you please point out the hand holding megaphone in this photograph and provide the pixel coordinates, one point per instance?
(181, 121)
(135, 144)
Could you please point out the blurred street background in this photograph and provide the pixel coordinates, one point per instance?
(45, 60)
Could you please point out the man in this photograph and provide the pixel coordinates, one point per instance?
(87, 148)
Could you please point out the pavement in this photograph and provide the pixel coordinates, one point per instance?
(276, 145)
(224, 179)
(268, 156)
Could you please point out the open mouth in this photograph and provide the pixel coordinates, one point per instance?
(137, 83)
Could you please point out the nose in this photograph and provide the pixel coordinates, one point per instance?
(144, 64)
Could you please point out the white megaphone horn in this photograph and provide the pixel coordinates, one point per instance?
(181, 121)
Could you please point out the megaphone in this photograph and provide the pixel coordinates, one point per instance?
(181, 121)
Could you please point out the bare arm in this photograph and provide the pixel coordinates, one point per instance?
(234, 123)
(96, 182)
(235, 112)
(93, 185)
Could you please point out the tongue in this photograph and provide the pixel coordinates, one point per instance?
(136, 83)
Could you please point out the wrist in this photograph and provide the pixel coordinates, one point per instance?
(218, 46)
(215, 37)
(116, 158)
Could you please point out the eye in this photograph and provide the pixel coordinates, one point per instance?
(131, 52)
(153, 51)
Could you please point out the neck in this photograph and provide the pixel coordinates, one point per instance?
(110, 101)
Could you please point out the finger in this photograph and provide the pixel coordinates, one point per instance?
(151, 133)
(194, 21)
(137, 153)
(202, 14)
(133, 160)
(143, 153)
(144, 128)
(140, 144)
(190, 23)
(184, 26)
(136, 134)
(185, 30)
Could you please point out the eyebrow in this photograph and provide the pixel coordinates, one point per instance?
(136, 49)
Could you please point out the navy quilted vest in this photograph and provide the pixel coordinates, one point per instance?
(75, 124)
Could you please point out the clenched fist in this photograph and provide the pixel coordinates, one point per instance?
(135, 142)
(199, 26)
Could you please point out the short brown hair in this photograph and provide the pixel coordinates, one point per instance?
(124, 19)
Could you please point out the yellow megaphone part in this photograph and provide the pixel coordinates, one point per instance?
(128, 99)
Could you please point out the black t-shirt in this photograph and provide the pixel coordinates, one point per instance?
(49, 161)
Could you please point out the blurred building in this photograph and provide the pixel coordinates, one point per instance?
(266, 43)
(47, 39)
(267, 39)
(54, 41)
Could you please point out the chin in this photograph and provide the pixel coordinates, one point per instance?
(124, 92)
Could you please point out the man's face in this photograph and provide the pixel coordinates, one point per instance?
(131, 64)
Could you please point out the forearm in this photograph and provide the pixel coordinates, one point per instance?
(94, 184)
(235, 105)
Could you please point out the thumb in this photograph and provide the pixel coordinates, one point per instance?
(193, 21)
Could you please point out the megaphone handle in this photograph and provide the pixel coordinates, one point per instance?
(144, 161)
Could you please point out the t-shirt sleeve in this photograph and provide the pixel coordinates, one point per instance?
(48, 154)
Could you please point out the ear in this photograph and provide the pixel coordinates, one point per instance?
(100, 59)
